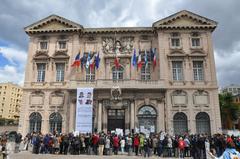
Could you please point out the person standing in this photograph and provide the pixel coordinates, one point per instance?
(107, 145)
(101, 144)
(122, 144)
(136, 143)
(115, 144)
(181, 146)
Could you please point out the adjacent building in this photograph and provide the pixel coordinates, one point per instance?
(234, 89)
(174, 91)
(10, 100)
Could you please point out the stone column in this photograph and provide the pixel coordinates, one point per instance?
(104, 118)
(132, 115)
(71, 116)
(161, 116)
(99, 122)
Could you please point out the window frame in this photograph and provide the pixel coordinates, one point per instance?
(41, 75)
(195, 36)
(176, 70)
(146, 72)
(196, 70)
(60, 74)
(175, 36)
(40, 46)
(90, 74)
(118, 73)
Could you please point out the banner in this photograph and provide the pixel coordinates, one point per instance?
(84, 110)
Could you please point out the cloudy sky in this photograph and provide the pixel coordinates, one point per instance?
(15, 15)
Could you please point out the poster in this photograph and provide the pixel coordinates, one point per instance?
(84, 110)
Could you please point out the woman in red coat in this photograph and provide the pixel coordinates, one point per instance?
(136, 143)
(115, 144)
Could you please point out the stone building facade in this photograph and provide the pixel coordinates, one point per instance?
(179, 95)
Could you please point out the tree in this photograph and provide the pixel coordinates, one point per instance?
(229, 110)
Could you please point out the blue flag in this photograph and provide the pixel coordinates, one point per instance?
(97, 61)
(134, 59)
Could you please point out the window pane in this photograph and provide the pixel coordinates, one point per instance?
(90, 74)
(177, 70)
(43, 45)
(41, 72)
(146, 72)
(198, 70)
(62, 44)
(60, 72)
(175, 42)
(195, 42)
(117, 74)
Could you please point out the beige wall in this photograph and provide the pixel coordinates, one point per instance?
(10, 99)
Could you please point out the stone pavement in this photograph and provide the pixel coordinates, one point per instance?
(28, 155)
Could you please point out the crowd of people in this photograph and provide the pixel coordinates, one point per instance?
(159, 144)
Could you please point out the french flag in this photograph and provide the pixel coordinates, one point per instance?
(76, 62)
(154, 59)
(139, 63)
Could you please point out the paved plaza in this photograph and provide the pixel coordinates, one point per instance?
(28, 155)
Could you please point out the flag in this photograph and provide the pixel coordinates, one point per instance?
(83, 60)
(92, 63)
(97, 61)
(146, 59)
(154, 59)
(134, 59)
(88, 60)
(152, 53)
(139, 63)
(116, 62)
(76, 62)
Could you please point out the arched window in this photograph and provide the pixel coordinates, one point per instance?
(180, 123)
(35, 122)
(55, 122)
(117, 73)
(147, 118)
(90, 74)
(203, 123)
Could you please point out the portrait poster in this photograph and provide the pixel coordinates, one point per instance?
(84, 110)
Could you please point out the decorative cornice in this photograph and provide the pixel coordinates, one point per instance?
(167, 23)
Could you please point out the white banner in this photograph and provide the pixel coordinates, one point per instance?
(84, 110)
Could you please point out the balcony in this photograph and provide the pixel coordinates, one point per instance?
(109, 83)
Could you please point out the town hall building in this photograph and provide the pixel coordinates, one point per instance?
(157, 78)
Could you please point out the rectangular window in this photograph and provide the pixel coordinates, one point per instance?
(177, 70)
(62, 45)
(145, 72)
(90, 74)
(195, 39)
(198, 71)
(41, 72)
(195, 42)
(60, 67)
(175, 40)
(43, 45)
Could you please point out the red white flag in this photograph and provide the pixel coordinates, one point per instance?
(76, 62)
(139, 63)
(154, 60)
(92, 63)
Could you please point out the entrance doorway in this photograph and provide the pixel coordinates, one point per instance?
(116, 119)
